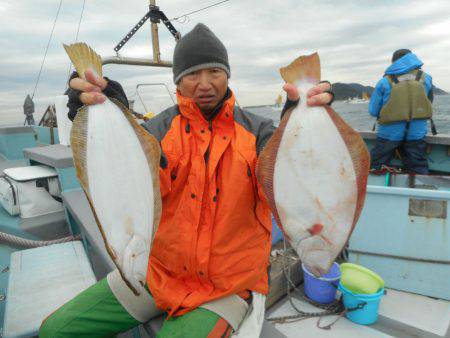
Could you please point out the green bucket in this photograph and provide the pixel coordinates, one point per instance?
(359, 279)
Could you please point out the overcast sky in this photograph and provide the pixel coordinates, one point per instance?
(355, 40)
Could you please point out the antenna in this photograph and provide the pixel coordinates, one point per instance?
(28, 110)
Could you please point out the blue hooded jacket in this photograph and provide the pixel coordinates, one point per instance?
(396, 131)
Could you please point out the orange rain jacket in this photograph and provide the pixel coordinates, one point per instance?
(213, 239)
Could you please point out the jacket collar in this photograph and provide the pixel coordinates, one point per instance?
(224, 109)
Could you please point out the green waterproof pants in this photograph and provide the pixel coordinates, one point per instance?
(96, 312)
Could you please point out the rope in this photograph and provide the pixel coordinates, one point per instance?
(335, 308)
(46, 49)
(185, 16)
(29, 243)
(76, 40)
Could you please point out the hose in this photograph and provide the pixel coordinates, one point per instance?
(29, 243)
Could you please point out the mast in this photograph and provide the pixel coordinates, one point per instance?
(155, 37)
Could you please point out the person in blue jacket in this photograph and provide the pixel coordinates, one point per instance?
(401, 102)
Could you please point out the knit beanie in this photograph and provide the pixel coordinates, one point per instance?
(199, 49)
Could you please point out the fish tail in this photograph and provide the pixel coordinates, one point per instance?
(305, 67)
(83, 58)
(78, 141)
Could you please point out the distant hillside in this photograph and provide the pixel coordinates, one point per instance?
(344, 91)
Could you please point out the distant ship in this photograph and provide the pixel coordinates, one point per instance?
(356, 100)
(278, 101)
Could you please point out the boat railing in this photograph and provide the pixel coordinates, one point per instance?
(442, 139)
(160, 84)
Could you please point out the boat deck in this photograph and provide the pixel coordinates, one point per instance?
(401, 314)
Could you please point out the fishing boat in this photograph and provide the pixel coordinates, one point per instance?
(278, 101)
(53, 240)
(356, 100)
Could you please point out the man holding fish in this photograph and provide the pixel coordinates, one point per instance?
(210, 255)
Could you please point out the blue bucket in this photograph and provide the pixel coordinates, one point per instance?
(322, 289)
(366, 306)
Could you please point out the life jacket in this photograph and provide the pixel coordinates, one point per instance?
(408, 99)
(213, 239)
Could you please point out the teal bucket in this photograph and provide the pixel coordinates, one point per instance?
(363, 308)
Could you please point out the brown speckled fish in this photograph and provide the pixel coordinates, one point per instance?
(314, 172)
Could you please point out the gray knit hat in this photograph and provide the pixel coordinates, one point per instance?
(199, 49)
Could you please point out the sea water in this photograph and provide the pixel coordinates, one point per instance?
(358, 117)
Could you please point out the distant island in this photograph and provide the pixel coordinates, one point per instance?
(344, 91)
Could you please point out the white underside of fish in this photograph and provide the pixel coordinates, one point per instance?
(120, 188)
(314, 184)
(117, 163)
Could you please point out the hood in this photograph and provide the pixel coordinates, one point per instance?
(404, 65)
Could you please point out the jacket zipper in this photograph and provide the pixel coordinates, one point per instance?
(207, 153)
(195, 245)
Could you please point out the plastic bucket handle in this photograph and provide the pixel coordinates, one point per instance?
(360, 306)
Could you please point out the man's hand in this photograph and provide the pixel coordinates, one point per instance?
(91, 88)
(316, 96)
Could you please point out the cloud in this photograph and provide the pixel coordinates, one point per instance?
(354, 39)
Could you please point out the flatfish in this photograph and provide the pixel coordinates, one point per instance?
(117, 164)
(313, 172)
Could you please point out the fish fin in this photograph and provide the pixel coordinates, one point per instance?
(305, 67)
(360, 157)
(78, 142)
(84, 57)
(112, 253)
(152, 151)
(266, 165)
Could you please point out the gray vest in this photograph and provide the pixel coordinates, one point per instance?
(408, 100)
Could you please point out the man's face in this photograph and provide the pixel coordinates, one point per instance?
(207, 87)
